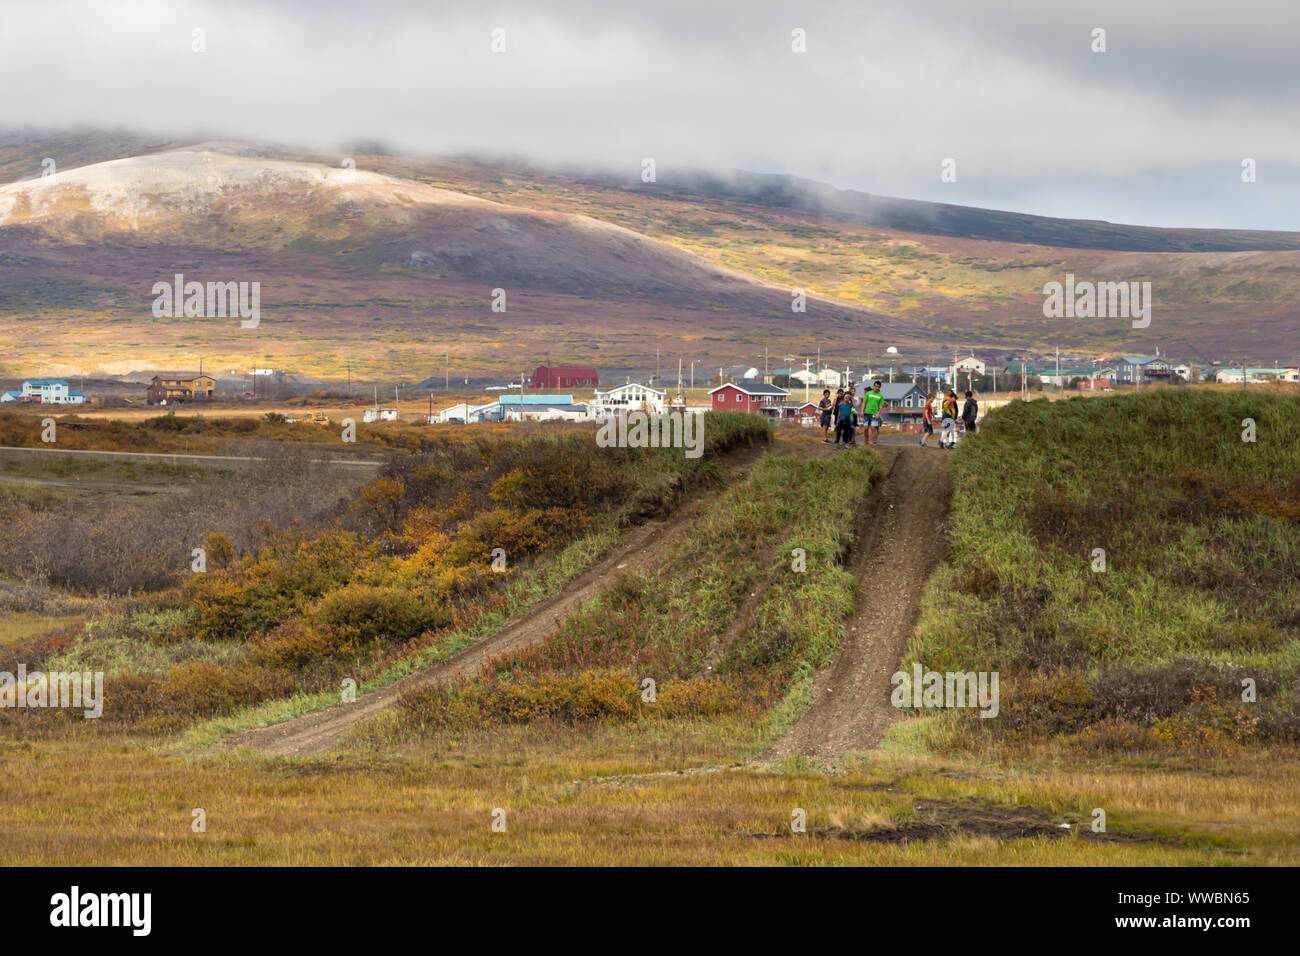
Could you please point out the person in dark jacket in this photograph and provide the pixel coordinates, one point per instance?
(969, 412)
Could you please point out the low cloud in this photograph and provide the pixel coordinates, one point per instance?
(1154, 130)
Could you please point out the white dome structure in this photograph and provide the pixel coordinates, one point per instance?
(752, 373)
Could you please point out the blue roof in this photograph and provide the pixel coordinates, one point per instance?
(1137, 359)
(45, 381)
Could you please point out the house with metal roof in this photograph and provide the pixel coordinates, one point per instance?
(904, 403)
(45, 391)
(755, 397)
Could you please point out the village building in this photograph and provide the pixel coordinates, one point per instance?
(564, 376)
(1017, 368)
(1066, 375)
(749, 397)
(622, 399)
(466, 414)
(963, 365)
(180, 387)
(904, 403)
(45, 391)
(1234, 376)
(540, 408)
(805, 413)
(1136, 369)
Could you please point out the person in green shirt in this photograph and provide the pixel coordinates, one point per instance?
(872, 400)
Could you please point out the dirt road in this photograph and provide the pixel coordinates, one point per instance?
(897, 546)
(644, 547)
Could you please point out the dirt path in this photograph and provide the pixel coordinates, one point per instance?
(897, 546)
(644, 547)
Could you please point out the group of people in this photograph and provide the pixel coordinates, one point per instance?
(847, 411)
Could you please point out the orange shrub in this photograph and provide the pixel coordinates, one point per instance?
(360, 614)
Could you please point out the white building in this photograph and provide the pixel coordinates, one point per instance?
(830, 378)
(626, 398)
(380, 415)
(466, 413)
(1233, 376)
(968, 364)
(547, 413)
(45, 391)
(804, 376)
(826, 378)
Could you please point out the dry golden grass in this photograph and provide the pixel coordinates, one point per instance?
(602, 794)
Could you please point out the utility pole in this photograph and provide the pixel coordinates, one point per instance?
(349, 376)
(692, 375)
(446, 378)
(1024, 391)
(806, 363)
(397, 402)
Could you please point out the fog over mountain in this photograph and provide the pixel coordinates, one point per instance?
(1153, 131)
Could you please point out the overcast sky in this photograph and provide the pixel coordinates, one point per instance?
(1152, 131)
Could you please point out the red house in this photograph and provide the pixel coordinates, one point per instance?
(564, 376)
(748, 397)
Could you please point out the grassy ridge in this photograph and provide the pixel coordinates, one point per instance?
(729, 624)
(1126, 563)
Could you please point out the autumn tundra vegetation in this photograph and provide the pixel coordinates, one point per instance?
(1127, 564)
(1134, 574)
(304, 584)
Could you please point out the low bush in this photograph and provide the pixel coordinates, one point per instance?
(359, 614)
(593, 695)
